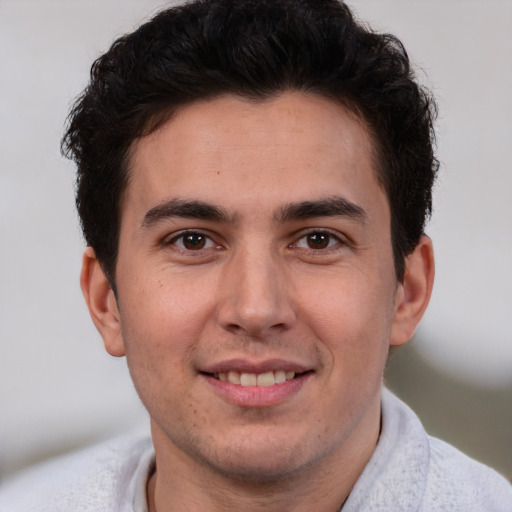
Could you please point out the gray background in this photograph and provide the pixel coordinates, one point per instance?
(58, 388)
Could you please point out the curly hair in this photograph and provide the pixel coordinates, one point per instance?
(255, 49)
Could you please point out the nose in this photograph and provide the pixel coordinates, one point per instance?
(255, 295)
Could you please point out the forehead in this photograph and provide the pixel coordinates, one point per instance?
(289, 147)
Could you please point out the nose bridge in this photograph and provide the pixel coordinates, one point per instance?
(256, 293)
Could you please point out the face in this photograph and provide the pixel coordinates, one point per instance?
(257, 297)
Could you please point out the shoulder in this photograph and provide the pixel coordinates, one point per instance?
(445, 479)
(455, 482)
(92, 479)
(410, 470)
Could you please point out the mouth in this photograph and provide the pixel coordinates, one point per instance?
(265, 379)
(253, 385)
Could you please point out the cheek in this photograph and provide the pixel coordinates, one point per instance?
(158, 349)
(166, 313)
(351, 318)
(344, 303)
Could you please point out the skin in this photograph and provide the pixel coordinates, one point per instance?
(257, 281)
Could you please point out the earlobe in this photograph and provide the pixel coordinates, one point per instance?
(413, 294)
(101, 302)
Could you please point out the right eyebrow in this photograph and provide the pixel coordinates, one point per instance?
(176, 207)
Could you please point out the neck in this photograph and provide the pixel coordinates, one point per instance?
(277, 497)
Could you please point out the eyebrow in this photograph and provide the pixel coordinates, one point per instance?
(333, 206)
(177, 207)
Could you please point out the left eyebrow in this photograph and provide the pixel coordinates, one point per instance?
(333, 206)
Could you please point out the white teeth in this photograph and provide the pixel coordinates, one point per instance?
(234, 378)
(248, 379)
(280, 377)
(255, 379)
(265, 379)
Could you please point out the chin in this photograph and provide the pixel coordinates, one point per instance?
(261, 462)
(259, 472)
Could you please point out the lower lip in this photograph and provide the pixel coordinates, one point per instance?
(258, 396)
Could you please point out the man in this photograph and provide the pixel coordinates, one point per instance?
(254, 179)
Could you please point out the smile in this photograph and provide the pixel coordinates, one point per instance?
(255, 379)
(257, 385)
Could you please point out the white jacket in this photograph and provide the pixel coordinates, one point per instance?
(408, 472)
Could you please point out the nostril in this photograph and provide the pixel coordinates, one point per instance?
(233, 328)
(255, 331)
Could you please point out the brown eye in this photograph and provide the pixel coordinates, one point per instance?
(318, 240)
(194, 241)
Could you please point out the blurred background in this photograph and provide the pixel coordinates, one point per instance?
(58, 388)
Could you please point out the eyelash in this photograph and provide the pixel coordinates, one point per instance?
(208, 243)
(182, 236)
(333, 241)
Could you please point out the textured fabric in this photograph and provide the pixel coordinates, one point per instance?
(408, 472)
(110, 477)
(413, 472)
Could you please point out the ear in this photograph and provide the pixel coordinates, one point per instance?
(101, 302)
(413, 293)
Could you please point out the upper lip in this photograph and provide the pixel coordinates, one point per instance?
(246, 366)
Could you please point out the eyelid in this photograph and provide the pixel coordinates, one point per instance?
(341, 240)
(170, 240)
